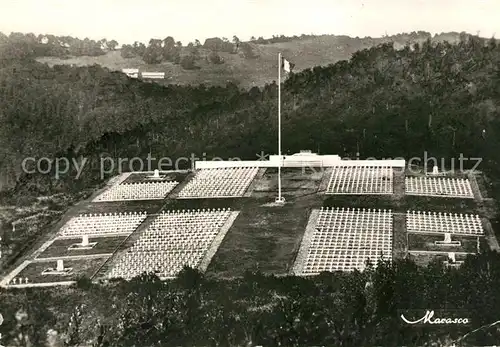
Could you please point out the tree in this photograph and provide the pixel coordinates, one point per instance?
(197, 43)
(127, 51)
(236, 42)
(247, 51)
(3, 38)
(153, 53)
(75, 327)
(193, 50)
(187, 62)
(215, 58)
(169, 50)
(139, 48)
(103, 43)
(112, 45)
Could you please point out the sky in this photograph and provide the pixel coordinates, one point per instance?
(186, 20)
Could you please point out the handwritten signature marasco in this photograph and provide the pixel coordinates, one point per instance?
(428, 318)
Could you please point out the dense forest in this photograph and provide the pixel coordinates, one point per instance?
(435, 97)
(331, 309)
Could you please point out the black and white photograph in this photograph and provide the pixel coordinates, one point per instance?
(249, 173)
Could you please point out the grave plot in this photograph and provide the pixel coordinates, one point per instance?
(439, 187)
(173, 240)
(137, 191)
(344, 239)
(219, 183)
(361, 180)
(38, 272)
(439, 222)
(102, 224)
(446, 242)
(75, 247)
(451, 259)
(156, 176)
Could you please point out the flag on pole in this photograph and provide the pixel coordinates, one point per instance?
(286, 65)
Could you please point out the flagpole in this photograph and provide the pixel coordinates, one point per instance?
(279, 127)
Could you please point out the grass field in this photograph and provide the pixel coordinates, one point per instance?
(361, 201)
(399, 239)
(59, 248)
(149, 206)
(266, 237)
(483, 185)
(263, 238)
(80, 267)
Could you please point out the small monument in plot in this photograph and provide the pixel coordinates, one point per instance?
(60, 270)
(156, 176)
(280, 200)
(435, 172)
(452, 261)
(451, 257)
(447, 241)
(84, 245)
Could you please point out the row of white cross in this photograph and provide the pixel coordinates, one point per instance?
(233, 182)
(361, 180)
(102, 224)
(219, 182)
(138, 191)
(172, 241)
(163, 264)
(438, 186)
(345, 238)
(437, 222)
(379, 180)
(19, 280)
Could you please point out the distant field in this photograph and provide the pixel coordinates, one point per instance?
(105, 245)
(304, 53)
